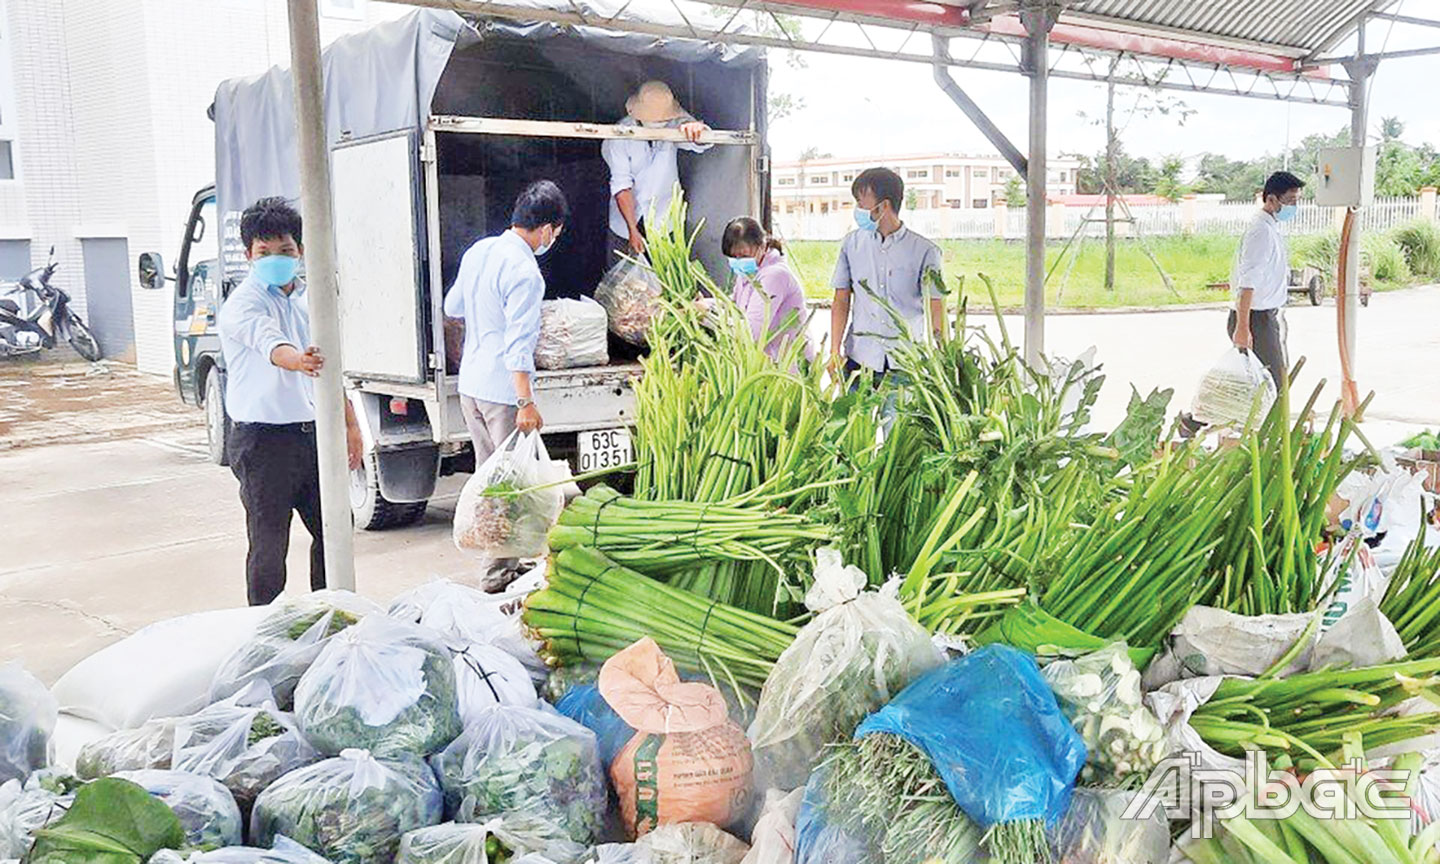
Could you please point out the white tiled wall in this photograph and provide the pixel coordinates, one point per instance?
(111, 97)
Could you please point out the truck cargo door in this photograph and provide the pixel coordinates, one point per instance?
(379, 257)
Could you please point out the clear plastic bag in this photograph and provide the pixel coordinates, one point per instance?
(818, 840)
(352, 809)
(150, 746)
(630, 294)
(244, 747)
(470, 616)
(525, 761)
(572, 334)
(479, 842)
(1227, 392)
(773, 840)
(688, 761)
(382, 685)
(691, 843)
(1101, 694)
(285, 851)
(500, 514)
(994, 732)
(486, 676)
(1096, 830)
(26, 809)
(287, 642)
(27, 722)
(858, 651)
(207, 810)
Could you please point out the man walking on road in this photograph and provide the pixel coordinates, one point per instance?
(269, 361)
(1262, 276)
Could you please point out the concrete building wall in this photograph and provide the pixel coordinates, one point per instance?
(112, 133)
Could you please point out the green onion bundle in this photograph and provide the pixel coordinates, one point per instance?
(593, 608)
(883, 792)
(1412, 602)
(1314, 712)
(662, 538)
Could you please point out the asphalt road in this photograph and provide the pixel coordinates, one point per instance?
(111, 523)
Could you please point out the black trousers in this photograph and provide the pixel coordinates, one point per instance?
(1267, 333)
(279, 473)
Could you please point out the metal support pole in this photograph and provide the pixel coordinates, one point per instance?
(1038, 18)
(1360, 69)
(322, 289)
(977, 115)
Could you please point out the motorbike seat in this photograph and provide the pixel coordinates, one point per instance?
(9, 305)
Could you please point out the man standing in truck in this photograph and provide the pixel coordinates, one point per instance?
(269, 361)
(643, 174)
(497, 293)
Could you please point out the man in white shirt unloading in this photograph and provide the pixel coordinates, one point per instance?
(1262, 276)
(643, 174)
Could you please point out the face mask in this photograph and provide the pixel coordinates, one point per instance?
(744, 266)
(544, 247)
(275, 270)
(1287, 212)
(865, 220)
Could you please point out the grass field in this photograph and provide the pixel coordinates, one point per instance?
(1190, 262)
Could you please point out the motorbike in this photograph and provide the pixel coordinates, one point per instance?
(35, 315)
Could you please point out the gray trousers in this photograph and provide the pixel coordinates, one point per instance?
(1267, 333)
(489, 424)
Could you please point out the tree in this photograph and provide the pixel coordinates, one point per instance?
(1236, 179)
(1167, 183)
(1014, 192)
(780, 105)
(912, 199)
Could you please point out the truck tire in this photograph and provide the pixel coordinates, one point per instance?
(217, 420)
(373, 512)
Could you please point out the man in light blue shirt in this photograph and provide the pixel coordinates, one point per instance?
(498, 292)
(881, 263)
(643, 174)
(269, 361)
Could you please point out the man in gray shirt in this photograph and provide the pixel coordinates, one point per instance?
(881, 263)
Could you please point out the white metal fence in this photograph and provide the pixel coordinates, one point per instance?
(1186, 217)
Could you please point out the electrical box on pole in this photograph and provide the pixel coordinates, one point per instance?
(1346, 177)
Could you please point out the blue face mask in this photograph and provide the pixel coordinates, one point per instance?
(276, 270)
(865, 220)
(743, 266)
(1287, 212)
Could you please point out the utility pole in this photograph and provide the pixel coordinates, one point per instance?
(1110, 157)
(323, 293)
(1039, 18)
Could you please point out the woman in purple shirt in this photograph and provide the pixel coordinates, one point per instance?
(766, 290)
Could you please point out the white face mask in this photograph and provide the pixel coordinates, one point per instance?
(544, 247)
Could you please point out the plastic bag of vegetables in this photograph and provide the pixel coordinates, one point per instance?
(495, 841)
(206, 809)
(384, 686)
(993, 731)
(1228, 391)
(532, 761)
(42, 800)
(487, 676)
(630, 293)
(151, 745)
(1101, 694)
(352, 809)
(285, 851)
(287, 642)
(688, 761)
(500, 513)
(473, 617)
(1096, 830)
(858, 651)
(691, 843)
(586, 706)
(245, 747)
(27, 720)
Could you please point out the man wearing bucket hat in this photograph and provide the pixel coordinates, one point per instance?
(643, 173)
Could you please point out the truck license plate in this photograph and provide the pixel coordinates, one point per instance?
(604, 448)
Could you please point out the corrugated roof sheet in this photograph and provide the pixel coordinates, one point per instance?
(1302, 25)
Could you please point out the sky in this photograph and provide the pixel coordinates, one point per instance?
(863, 107)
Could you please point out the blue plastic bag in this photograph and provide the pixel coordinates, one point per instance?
(817, 840)
(586, 706)
(994, 732)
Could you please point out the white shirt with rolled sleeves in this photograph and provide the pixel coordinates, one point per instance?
(498, 292)
(1263, 264)
(256, 319)
(894, 269)
(650, 168)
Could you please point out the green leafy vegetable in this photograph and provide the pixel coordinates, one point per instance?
(111, 822)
